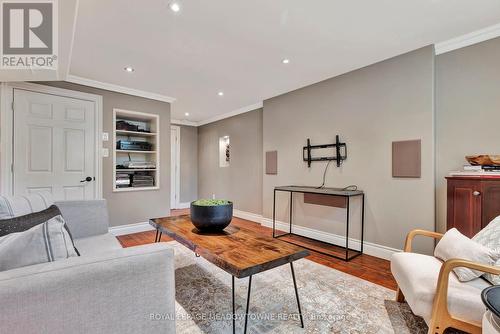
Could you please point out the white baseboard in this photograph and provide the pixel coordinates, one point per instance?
(131, 228)
(248, 216)
(369, 248)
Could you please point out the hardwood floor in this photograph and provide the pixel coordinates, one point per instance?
(367, 267)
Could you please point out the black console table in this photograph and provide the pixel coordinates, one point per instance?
(342, 193)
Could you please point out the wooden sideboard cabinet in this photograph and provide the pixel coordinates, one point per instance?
(473, 201)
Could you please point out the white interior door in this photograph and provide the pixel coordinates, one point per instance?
(174, 167)
(54, 146)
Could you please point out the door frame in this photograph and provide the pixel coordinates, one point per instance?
(7, 133)
(177, 187)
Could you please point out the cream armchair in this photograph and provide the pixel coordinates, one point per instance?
(436, 294)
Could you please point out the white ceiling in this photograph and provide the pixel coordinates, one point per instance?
(237, 45)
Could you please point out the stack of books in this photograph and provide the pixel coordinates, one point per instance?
(141, 179)
(122, 180)
(478, 170)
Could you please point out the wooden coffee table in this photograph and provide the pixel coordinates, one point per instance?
(236, 250)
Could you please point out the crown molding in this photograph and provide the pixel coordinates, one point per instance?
(468, 39)
(119, 89)
(231, 113)
(183, 122)
(218, 117)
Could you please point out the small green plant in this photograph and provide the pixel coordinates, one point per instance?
(211, 202)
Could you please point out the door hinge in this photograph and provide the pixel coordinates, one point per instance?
(12, 168)
(13, 105)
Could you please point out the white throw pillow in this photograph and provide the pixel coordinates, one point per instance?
(45, 242)
(490, 237)
(11, 207)
(455, 245)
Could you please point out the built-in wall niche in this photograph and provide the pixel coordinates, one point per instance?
(136, 153)
(224, 152)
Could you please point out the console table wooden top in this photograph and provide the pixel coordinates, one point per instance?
(236, 250)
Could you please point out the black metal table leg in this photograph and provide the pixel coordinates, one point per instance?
(234, 312)
(159, 236)
(297, 296)
(291, 214)
(274, 213)
(248, 303)
(347, 231)
(156, 236)
(362, 220)
(247, 310)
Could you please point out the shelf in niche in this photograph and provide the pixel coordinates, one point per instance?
(132, 151)
(135, 189)
(135, 170)
(135, 133)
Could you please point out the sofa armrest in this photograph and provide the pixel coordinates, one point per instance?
(116, 292)
(440, 305)
(85, 218)
(414, 233)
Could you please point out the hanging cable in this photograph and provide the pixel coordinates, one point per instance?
(324, 175)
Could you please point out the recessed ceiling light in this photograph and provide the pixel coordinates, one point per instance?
(186, 114)
(220, 93)
(286, 61)
(175, 7)
(129, 69)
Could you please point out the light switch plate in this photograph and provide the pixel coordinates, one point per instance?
(105, 152)
(105, 136)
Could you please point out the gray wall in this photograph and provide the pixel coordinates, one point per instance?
(137, 206)
(241, 182)
(188, 163)
(369, 108)
(467, 110)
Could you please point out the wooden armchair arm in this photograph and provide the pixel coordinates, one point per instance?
(414, 233)
(440, 306)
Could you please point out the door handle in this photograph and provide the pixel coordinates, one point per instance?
(87, 179)
(476, 193)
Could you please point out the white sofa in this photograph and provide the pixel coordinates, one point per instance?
(108, 289)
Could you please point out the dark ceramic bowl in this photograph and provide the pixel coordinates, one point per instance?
(211, 218)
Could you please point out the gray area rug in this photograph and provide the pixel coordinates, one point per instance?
(332, 301)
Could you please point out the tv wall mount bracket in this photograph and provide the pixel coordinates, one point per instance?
(339, 157)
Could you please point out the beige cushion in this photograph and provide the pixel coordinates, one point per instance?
(490, 237)
(417, 277)
(455, 245)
